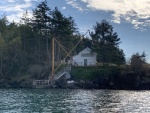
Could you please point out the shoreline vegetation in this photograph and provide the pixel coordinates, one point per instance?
(25, 53)
(112, 77)
(97, 77)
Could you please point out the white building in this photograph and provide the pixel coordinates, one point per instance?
(86, 57)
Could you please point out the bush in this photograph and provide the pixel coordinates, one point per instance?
(82, 73)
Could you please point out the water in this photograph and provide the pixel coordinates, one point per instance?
(73, 101)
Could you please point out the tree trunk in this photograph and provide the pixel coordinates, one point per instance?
(1, 69)
(39, 50)
(47, 47)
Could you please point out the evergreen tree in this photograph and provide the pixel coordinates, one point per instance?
(14, 58)
(105, 43)
(41, 19)
(63, 29)
(137, 62)
(3, 24)
(62, 25)
(25, 18)
(40, 23)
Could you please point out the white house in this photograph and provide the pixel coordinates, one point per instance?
(86, 57)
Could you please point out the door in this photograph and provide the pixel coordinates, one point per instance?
(85, 62)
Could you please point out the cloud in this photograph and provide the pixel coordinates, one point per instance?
(83, 29)
(27, 0)
(14, 9)
(63, 8)
(11, 0)
(17, 16)
(137, 12)
(75, 4)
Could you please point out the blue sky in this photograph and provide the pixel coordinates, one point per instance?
(130, 18)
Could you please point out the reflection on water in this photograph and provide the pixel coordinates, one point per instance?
(73, 101)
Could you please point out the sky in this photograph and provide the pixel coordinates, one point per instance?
(130, 18)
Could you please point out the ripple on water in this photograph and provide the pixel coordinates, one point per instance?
(73, 101)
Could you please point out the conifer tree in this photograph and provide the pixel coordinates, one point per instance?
(106, 43)
(41, 22)
(63, 28)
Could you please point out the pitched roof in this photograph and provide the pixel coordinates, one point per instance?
(85, 49)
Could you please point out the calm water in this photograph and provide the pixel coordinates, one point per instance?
(73, 101)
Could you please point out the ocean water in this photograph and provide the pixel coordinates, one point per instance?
(73, 101)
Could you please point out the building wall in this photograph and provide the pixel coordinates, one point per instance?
(85, 58)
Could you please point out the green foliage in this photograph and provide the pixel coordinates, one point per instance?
(137, 62)
(86, 42)
(82, 73)
(63, 29)
(2, 42)
(41, 19)
(25, 48)
(101, 74)
(105, 43)
(2, 52)
(105, 76)
(94, 73)
(103, 33)
(14, 57)
(3, 24)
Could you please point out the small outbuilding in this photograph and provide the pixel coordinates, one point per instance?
(86, 57)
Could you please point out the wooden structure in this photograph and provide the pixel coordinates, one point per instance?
(41, 83)
(56, 76)
(65, 72)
